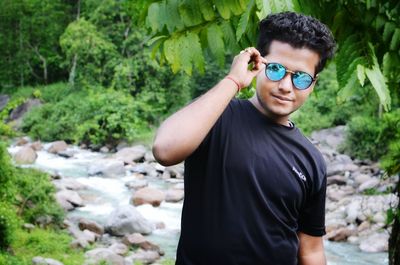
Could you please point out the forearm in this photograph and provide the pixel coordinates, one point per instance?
(316, 258)
(182, 133)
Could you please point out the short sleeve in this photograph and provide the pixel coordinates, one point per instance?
(312, 216)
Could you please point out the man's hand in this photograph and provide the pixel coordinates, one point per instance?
(240, 66)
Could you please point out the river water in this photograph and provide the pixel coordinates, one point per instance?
(103, 195)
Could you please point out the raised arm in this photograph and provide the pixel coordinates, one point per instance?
(180, 134)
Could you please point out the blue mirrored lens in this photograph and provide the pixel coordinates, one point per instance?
(302, 80)
(275, 72)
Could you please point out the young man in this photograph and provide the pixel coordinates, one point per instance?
(254, 185)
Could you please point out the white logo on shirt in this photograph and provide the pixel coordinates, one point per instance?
(300, 174)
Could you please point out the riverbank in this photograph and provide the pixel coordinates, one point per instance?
(95, 187)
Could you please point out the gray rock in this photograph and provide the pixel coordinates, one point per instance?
(68, 198)
(37, 146)
(68, 184)
(174, 195)
(336, 179)
(369, 184)
(332, 137)
(131, 154)
(137, 240)
(176, 171)
(99, 255)
(352, 211)
(107, 168)
(26, 155)
(145, 257)
(127, 220)
(4, 99)
(45, 261)
(375, 243)
(361, 178)
(18, 113)
(149, 157)
(339, 168)
(119, 248)
(137, 184)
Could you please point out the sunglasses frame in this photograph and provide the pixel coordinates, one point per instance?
(292, 74)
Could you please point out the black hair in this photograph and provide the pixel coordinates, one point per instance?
(298, 30)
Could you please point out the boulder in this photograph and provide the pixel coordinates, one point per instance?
(332, 137)
(340, 234)
(17, 114)
(137, 240)
(4, 99)
(375, 243)
(103, 255)
(174, 195)
(176, 171)
(137, 184)
(119, 248)
(37, 146)
(57, 147)
(336, 179)
(68, 184)
(369, 184)
(69, 199)
(131, 154)
(148, 195)
(145, 257)
(85, 224)
(127, 220)
(107, 168)
(45, 261)
(26, 155)
(339, 168)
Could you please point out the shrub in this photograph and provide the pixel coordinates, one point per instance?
(8, 224)
(36, 196)
(7, 190)
(370, 137)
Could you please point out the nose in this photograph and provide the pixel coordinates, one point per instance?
(285, 84)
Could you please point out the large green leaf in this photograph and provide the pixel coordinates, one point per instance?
(174, 21)
(223, 8)
(206, 9)
(216, 43)
(196, 51)
(378, 81)
(153, 17)
(171, 52)
(244, 20)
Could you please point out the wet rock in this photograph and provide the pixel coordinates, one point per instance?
(174, 195)
(68, 184)
(127, 220)
(37, 146)
(100, 255)
(107, 168)
(57, 147)
(26, 155)
(131, 154)
(145, 257)
(91, 226)
(375, 243)
(148, 195)
(137, 240)
(69, 199)
(137, 184)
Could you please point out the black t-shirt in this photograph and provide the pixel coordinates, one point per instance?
(249, 188)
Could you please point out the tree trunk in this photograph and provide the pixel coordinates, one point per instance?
(72, 73)
(394, 240)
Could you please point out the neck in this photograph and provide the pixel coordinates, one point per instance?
(282, 120)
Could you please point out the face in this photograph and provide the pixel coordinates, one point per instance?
(278, 99)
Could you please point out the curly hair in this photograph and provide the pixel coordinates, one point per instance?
(298, 30)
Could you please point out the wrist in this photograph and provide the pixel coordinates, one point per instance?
(235, 81)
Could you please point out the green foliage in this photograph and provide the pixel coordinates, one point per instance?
(369, 137)
(93, 55)
(48, 243)
(185, 36)
(36, 196)
(8, 224)
(7, 178)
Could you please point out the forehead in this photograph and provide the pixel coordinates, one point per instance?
(295, 59)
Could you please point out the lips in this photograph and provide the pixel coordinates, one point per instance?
(282, 98)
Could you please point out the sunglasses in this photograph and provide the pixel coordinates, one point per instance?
(276, 72)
